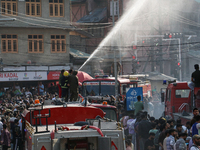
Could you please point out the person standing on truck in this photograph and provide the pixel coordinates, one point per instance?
(65, 85)
(59, 85)
(73, 86)
(195, 78)
(138, 105)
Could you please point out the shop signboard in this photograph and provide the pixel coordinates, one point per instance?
(23, 76)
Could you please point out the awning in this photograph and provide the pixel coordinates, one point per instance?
(78, 54)
(97, 15)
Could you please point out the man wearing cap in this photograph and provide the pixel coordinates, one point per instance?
(196, 142)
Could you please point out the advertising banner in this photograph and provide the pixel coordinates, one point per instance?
(53, 75)
(23, 76)
(131, 97)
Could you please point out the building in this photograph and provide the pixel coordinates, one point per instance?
(39, 34)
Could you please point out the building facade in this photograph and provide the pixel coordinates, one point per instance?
(37, 32)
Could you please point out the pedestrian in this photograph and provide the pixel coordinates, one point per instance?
(153, 130)
(150, 107)
(16, 135)
(65, 85)
(73, 86)
(171, 140)
(41, 88)
(162, 135)
(196, 142)
(5, 138)
(138, 105)
(195, 126)
(165, 140)
(128, 145)
(130, 125)
(180, 143)
(149, 143)
(143, 130)
(195, 78)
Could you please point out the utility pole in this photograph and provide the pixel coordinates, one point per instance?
(115, 61)
(160, 40)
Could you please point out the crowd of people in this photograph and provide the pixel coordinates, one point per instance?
(144, 132)
(14, 100)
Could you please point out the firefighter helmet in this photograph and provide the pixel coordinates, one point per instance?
(66, 73)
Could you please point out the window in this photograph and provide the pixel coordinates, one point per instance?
(56, 8)
(35, 44)
(182, 93)
(169, 95)
(58, 44)
(9, 43)
(9, 7)
(33, 8)
(115, 8)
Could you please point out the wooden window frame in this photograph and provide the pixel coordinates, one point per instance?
(53, 6)
(6, 11)
(29, 12)
(38, 40)
(55, 40)
(12, 43)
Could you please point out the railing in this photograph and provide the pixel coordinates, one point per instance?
(182, 106)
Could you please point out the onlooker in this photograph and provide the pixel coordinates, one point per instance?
(149, 143)
(150, 107)
(170, 140)
(138, 105)
(41, 88)
(196, 142)
(154, 130)
(143, 130)
(165, 140)
(195, 126)
(128, 145)
(5, 138)
(130, 125)
(180, 143)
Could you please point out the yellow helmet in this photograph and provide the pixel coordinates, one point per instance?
(66, 73)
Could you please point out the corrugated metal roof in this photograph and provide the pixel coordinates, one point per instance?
(97, 15)
(78, 54)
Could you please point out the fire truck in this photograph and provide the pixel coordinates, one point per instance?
(180, 100)
(66, 127)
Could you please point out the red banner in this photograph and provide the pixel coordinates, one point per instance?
(53, 75)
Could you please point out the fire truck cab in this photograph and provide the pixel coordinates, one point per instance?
(180, 100)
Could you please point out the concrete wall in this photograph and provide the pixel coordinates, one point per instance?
(46, 58)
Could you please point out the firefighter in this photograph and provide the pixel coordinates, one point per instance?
(65, 85)
(73, 85)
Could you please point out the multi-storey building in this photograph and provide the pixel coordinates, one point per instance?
(39, 33)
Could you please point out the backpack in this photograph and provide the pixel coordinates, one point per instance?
(156, 138)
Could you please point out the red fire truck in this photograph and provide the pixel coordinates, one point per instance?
(179, 101)
(70, 127)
